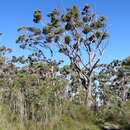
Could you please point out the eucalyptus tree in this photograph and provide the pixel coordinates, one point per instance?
(113, 81)
(79, 35)
(124, 77)
(109, 88)
(39, 86)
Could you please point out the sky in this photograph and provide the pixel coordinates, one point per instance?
(14, 13)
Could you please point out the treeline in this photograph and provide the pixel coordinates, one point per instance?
(40, 93)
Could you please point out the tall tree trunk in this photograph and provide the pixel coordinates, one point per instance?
(88, 98)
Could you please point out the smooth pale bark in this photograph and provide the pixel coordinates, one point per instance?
(88, 98)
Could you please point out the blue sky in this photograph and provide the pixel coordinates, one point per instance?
(14, 13)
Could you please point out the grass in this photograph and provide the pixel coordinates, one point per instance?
(73, 117)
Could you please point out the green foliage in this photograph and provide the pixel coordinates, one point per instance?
(67, 39)
(87, 29)
(38, 92)
(37, 16)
